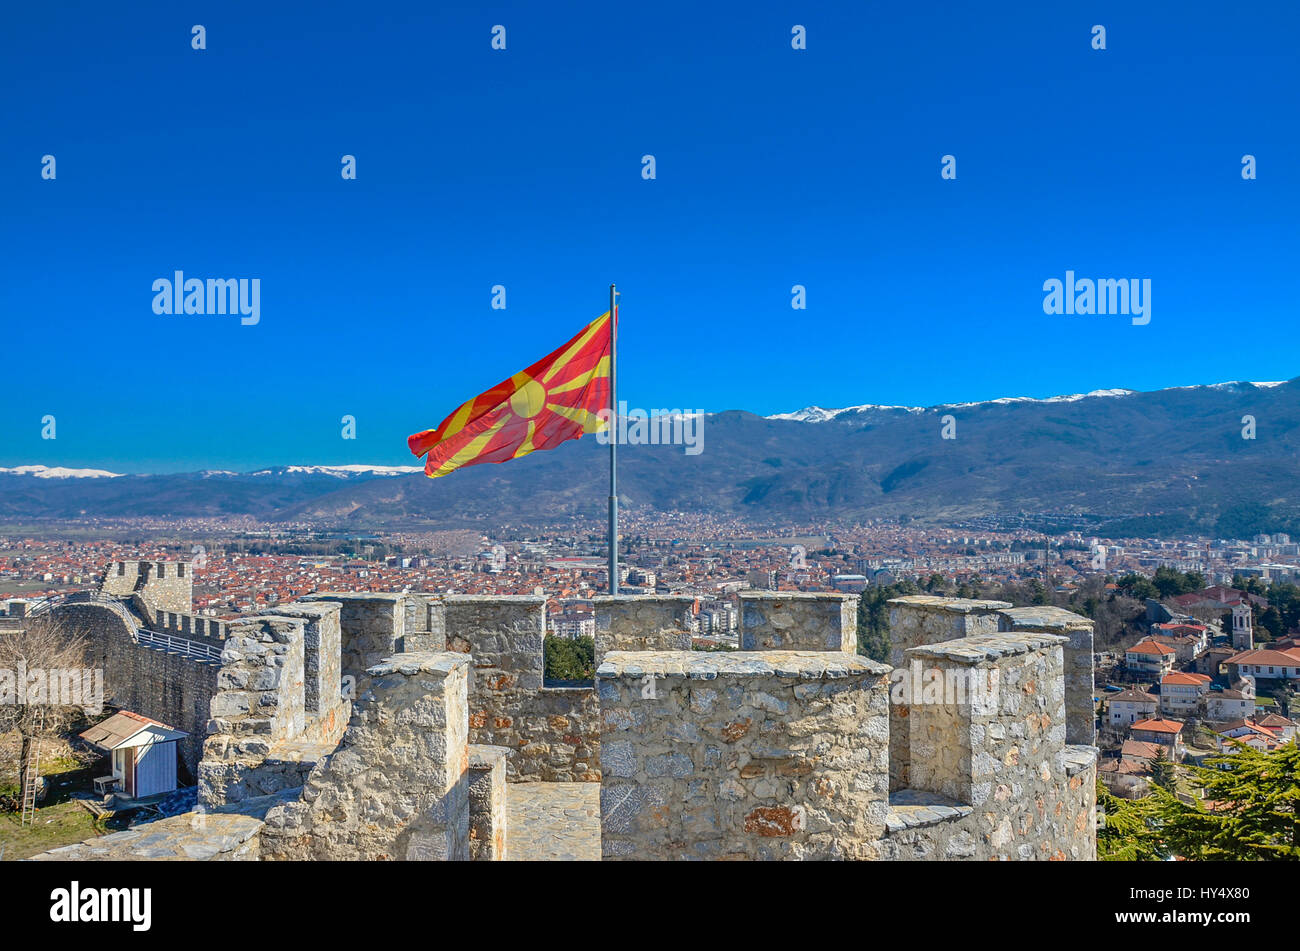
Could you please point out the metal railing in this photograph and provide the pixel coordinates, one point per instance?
(140, 635)
(178, 645)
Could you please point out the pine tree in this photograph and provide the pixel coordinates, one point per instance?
(1129, 832)
(1252, 812)
(1163, 773)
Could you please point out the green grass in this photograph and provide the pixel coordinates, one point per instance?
(63, 823)
(59, 820)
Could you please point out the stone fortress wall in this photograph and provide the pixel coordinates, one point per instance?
(173, 688)
(386, 726)
(552, 732)
(789, 753)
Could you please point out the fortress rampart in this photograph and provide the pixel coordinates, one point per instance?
(386, 726)
(185, 625)
(552, 732)
(753, 754)
(998, 750)
(162, 684)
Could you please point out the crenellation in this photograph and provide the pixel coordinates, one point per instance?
(372, 626)
(258, 712)
(1081, 714)
(397, 787)
(927, 619)
(1001, 749)
(794, 620)
(641, 622)
(757, 754)
(167, 586)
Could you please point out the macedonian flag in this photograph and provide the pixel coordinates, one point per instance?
(555, 399)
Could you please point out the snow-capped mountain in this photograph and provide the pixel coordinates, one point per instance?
(1177, 459)
(818, 414)
(59, 472)
(340, 472)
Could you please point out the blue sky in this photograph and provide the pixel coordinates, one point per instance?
(523, 168)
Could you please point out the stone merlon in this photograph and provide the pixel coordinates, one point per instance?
(695, 665)
(985, 647)
(791, 620)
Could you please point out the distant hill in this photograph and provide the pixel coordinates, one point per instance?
(1167, 460)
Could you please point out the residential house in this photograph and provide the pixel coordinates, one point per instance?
(1181, 694)
(1266, 664)
(1125, 777)
(1125, 708)
(1188, 640)
(1250, 733)
(1211, 662)
(1142, 752)
(1217, 598)
(1149, 658)
(1279, 726)
(1235, 704)
(1168, 733)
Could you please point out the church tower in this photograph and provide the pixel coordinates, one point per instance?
(1243, 631)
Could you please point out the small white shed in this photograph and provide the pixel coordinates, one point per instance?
(142, 750)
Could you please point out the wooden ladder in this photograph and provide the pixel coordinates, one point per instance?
(33, 782)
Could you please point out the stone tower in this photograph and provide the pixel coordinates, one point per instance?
(1243, 631)
(163, 585)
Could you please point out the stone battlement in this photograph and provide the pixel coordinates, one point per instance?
(162, 585)
(792, 620)
(758, 755)
(387, 726)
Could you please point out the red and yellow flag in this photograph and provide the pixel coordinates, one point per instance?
(555, 399)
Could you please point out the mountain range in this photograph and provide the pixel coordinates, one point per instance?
(1129, 462)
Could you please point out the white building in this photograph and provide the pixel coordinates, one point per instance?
(1129, 706)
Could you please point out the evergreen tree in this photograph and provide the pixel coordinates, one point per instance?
(1252, 813)
(1163, 771)
(873, 622)
(1129, 831)
(566, 659)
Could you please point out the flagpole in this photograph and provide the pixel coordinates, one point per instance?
(613, 443)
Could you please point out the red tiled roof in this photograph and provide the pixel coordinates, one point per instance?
(1283, 658)
(1157, 725)
(1126, 767)
(1133, 695)
(1274, 721)
(1149, 647)
(1136, 749)
(1179, 679)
